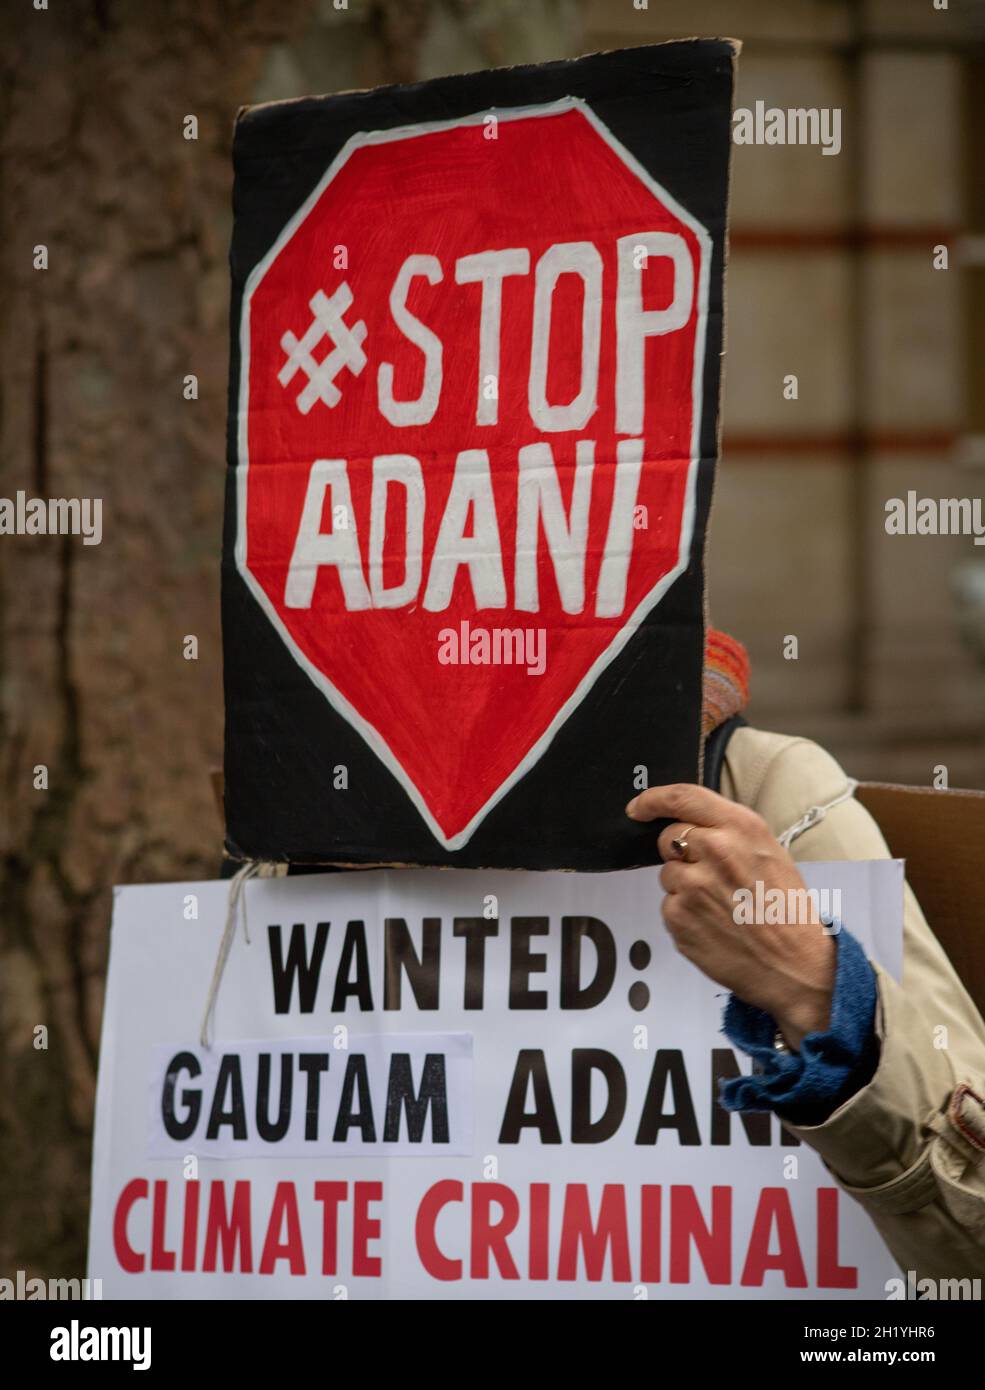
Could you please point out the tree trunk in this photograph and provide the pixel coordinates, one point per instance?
(95, 685)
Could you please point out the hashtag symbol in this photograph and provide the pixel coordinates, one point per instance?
(327, 322)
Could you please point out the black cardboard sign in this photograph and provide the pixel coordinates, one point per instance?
(476, 336)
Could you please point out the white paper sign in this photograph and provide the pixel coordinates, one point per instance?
(451, 1084)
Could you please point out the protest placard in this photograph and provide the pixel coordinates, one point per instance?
(469, 1084)
(473, 430)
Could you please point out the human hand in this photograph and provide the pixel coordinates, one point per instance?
(786, 969)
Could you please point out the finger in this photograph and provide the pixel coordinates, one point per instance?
(676, 916)
(681, 801)
(675, 875)
(692, 883)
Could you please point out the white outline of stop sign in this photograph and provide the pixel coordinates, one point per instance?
(372, 736)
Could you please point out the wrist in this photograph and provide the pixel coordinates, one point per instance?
(803, 1005)
(811, 1014)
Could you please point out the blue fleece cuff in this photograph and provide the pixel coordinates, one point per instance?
(805, 1087)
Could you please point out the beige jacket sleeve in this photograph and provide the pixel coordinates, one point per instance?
(909, 1146)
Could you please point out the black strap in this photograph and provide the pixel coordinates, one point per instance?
(715, 746)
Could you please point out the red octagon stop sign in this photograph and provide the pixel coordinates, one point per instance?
(468, 435)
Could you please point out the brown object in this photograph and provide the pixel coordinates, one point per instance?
(941, 835)
(95, 683)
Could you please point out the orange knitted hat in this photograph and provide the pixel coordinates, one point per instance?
(726, 679)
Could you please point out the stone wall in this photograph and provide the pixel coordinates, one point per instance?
(831, 278)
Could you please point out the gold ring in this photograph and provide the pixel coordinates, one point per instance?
(680, 843)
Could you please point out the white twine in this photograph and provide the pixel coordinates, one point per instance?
(255, 867)
(237, 894)
(815, 814)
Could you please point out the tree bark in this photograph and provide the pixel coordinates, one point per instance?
(95, 686)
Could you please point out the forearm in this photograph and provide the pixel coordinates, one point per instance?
(910, 1143)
